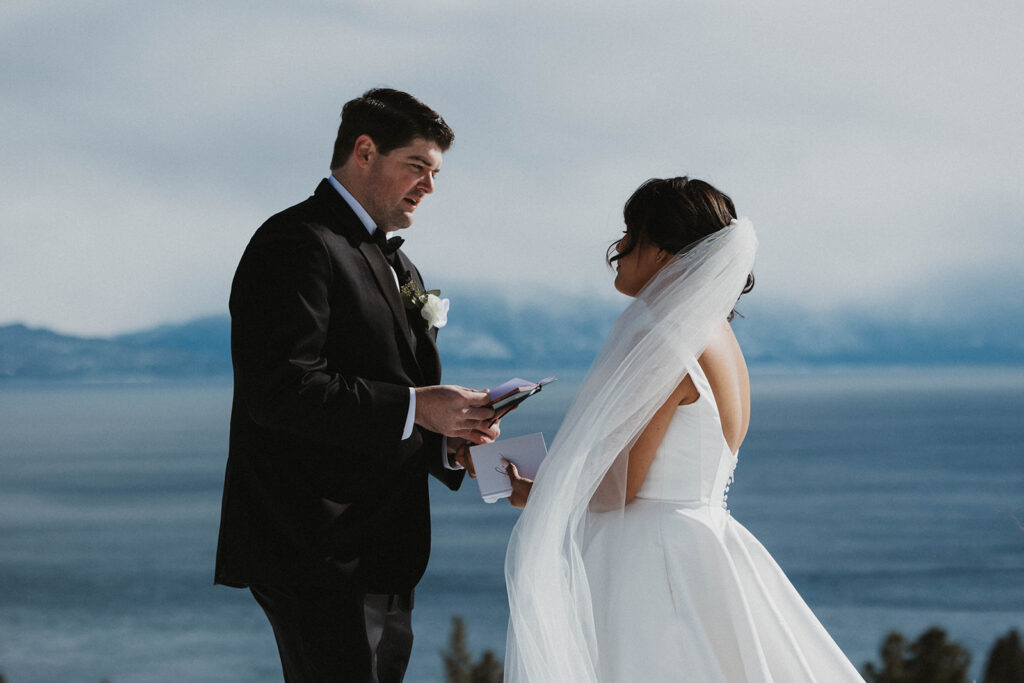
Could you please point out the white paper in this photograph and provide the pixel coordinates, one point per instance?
(525, 452)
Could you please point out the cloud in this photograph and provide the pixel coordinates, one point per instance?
(873, 145)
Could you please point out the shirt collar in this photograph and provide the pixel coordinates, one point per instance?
(368, 223)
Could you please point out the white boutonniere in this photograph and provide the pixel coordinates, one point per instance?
(431, 306)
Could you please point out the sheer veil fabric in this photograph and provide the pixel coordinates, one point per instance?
(551, 634)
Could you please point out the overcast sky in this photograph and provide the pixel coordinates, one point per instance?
(877, 146)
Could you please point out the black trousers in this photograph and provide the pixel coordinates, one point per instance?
(328, 635)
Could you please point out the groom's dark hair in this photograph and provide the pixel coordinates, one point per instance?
(393, 119)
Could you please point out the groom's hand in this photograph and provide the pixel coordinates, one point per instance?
(456, 411)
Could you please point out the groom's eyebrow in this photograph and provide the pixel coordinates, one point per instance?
(426, 162)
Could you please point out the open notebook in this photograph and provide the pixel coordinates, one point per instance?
(526, 452)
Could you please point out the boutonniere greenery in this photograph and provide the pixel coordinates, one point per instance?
(433, 309)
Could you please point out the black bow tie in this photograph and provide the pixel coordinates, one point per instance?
(387, 246)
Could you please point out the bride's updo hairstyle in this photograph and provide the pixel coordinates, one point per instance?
(672, 214)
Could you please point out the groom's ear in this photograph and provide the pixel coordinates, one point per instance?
(363, 150)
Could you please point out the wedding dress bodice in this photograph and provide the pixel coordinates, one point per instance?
(693, 465)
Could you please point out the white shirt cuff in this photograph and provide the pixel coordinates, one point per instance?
(444, 456)
(410, 419)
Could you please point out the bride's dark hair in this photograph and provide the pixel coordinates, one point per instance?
(672, 214)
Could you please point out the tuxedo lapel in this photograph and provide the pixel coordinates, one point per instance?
(385, 278)
(427, 354)
(349, 225)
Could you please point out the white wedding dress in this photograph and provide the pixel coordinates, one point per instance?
(682, 592)
(667, 587)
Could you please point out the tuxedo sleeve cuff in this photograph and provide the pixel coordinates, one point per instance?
(410, 417)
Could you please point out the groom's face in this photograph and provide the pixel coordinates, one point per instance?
(398, 181)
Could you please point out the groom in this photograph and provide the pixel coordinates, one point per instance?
(337, 416)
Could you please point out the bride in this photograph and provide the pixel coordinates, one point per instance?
(626, 564)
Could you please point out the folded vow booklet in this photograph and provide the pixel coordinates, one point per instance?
(526, 452)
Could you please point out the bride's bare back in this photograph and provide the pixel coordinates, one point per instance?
(726, 370)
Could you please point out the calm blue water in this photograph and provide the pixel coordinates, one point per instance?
(892, 501)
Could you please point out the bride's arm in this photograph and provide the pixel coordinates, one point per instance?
(642, 454)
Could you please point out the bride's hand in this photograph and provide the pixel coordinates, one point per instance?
(461, 454)
(520, 485)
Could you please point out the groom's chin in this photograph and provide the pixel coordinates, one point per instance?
(401, 222)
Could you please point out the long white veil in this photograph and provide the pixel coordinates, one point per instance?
(551, 634)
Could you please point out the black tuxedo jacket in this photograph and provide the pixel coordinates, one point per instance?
(319, 485)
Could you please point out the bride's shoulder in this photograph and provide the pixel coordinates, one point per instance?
(722, 345)
(723, 359)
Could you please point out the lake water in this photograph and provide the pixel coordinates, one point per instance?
(892, 499)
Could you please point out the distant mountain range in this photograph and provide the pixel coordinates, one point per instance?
(195, 349)
(560, 333)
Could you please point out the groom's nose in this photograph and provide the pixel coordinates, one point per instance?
(426, 184)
